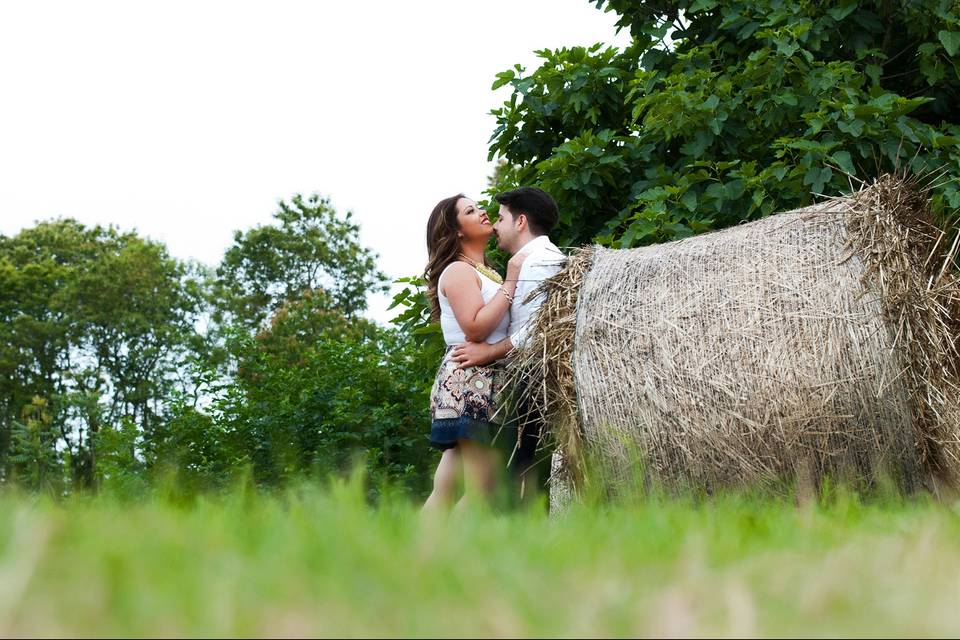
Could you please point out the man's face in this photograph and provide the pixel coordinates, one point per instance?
(505, 228)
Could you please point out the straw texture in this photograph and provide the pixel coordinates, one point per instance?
(822, 341)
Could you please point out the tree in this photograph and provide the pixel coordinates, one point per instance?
(95, 325)
(315, 387)
(311, 250)
(346, 398)
(720, 112)
(314, 394)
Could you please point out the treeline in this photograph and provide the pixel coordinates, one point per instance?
(120, 364)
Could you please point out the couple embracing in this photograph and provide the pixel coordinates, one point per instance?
(483, 318)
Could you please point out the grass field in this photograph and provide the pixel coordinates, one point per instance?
(322, 562)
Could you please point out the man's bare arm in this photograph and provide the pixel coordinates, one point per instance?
(478, 354)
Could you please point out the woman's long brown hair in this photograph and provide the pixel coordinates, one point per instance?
(443, 247)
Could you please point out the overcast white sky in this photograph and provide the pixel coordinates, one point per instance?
(188, 120)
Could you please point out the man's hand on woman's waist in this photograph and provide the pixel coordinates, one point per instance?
(479, 354)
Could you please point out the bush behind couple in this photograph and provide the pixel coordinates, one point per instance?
(483, 318)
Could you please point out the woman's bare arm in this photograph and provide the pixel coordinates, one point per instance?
(461, 286)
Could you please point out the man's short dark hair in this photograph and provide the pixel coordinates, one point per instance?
(536, 204)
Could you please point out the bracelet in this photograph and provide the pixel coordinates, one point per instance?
(506, 295)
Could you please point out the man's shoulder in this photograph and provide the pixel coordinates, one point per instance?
(547, 254)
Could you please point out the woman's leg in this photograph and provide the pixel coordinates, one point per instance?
(444, 480)
(479, 471)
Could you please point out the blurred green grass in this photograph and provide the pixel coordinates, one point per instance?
(323, 562)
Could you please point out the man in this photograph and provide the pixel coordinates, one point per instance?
(527, 215)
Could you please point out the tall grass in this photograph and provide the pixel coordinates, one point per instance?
(322, 561)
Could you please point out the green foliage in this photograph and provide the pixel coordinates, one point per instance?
(314, 387)
(721, 112)
(297, 324)
(414, 321)
(121, 463)
(310, 249)
(350, 398)
(96, 323)
(107, 381)
(36, 463)
(317, 407)
(195, 452)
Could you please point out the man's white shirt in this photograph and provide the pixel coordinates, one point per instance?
(544, 260)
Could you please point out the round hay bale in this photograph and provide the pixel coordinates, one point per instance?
(821, 341)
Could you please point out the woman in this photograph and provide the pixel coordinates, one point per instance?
(471, 302)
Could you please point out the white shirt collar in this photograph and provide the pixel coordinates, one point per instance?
(534, 243)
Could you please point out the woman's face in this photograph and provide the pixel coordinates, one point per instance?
(472, 220)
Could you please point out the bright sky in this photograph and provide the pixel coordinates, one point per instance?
(188, 120)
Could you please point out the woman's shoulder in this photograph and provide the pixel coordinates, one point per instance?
(457, 266)
(460, 271)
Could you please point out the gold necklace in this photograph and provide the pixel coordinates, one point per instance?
(484, 269)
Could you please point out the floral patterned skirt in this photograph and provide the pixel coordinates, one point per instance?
(464, 404)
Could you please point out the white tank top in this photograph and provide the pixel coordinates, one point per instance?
(452, 333)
